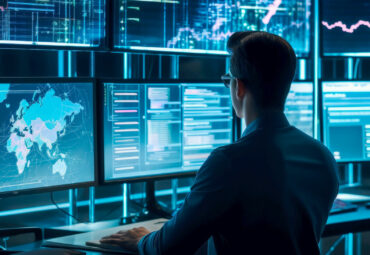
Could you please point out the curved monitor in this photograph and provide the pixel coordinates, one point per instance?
(345, 26)
(47, 136)
(346, 119)
(56, 23)
(154, 130)
(204, 26)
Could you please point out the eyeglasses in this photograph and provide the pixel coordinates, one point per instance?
(226, 79)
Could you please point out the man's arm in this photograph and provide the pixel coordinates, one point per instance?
(211, 196)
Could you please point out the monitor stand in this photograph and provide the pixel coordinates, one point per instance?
(151, 209)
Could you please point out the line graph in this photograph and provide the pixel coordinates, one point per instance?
(3, 5)
(345, 28)
(215, 35)
(272, 11)
(206, 25)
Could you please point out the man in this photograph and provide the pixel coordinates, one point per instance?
(268, 193)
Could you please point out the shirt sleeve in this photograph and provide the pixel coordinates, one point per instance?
(211, 196)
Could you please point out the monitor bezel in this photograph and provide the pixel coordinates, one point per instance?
(104, 42)
(96, 158)
(195, 52)
(321, 114)
(321, 42)
(100, 106)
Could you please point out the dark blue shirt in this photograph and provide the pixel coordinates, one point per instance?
(268, 193)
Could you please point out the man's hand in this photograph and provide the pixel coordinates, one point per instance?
(127, 239)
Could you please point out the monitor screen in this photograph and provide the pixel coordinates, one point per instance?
(299, 107)
(345, 27)
(158, 129)
(77, 23)
(346, 119)
(204, 26)
(46, 135)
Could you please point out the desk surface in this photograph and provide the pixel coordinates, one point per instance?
(349, 222)
(38, 245)
(338, 224)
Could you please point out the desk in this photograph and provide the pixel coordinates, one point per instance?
(350, 222)
(338, 224)
(38, 245)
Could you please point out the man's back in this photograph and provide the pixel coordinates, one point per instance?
(270, 192)
(287, 182)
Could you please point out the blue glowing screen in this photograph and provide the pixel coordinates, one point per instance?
(159, 129)
(299, 107)
(46, 135)
(204, 26)
(77, 23)
(346, 124)
(346, 27)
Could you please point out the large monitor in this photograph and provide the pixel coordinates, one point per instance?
(204, 26)
(345, 26)
(346, 119)
(153, 130)
(67, 23)
(47, 136)
(299, 107)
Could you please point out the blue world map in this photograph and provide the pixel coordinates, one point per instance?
(46, 132)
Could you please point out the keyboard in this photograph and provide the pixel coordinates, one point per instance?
(90, 240)
(340, 206)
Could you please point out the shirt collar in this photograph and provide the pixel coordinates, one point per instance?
(270, 120)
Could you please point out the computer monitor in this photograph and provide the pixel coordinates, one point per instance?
(204, 26)
(47, 136)
(157, 130)
(346, 119)
(299, 107)
(62, 23)
(345, 26)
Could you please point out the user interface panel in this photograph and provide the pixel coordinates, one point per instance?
(163, 129)
(77, 23)
(346, 113)
(204, 26)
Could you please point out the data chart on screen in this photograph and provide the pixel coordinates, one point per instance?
(77, 23)
(46, 135)
(345, 27)
(346, 123)
(162, 129)
(204, 26)
(299, 107)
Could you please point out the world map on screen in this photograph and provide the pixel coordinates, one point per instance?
(46, 135)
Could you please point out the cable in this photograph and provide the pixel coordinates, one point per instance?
(62, 210)
(103, 218)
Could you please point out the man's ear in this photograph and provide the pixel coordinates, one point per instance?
(240, 89)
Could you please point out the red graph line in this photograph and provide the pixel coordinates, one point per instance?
(344, 27)
(272, 11)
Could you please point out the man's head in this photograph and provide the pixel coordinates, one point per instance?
(262, 68)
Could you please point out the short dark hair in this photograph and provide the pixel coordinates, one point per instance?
(266, 64)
